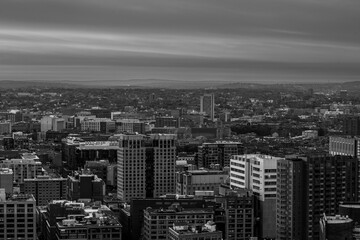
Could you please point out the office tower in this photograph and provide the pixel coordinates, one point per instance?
(18, 219)
(61, 219)
(6, 180)
(83, 185)
(336, 227)
(218, 153)
(158, 221)
(188, 182)
(351, 125)
(258, 173)
(310, 186)
(207, 105)
(23, 168)
(45, 188)
(343, 145)
(146, 165)
(185, 231)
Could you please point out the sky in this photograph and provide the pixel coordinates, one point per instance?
(269, 41)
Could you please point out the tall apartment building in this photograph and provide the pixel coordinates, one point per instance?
(218, 153)
(207, 105)
(45, 189)
(258, 173)
(23, 168)
(146, 165)
(309, 186)
(18, 219)
(6, 180)
(85, 186)
(187, 183)
(158, 221)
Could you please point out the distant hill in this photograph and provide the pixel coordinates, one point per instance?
(35, 84)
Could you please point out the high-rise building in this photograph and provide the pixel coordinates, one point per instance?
(18, 219)
(6, 180)
(146, 165)
(187, 183)
(309, 186)
(258, 173)
(45, 189)
(23, 168)
(218, 153)
(290, 220)
(158, 221)
(240, 213)
(85, 186)
(207, 105)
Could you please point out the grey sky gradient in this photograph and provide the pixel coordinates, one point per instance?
(230, 40)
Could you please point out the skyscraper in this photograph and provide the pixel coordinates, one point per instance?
(146, 165)
(309, 186)
(258, 173)
(207, 105)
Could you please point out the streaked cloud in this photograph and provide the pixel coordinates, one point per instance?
(250, 37)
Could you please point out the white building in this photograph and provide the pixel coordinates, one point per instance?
(258, 173)
(23, 168)
(52, 123)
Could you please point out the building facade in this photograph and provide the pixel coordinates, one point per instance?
(207, 105)
(218, 153)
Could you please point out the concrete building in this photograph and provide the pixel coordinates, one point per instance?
(207, 105)
(19, 220)
(102, 125)
(85, 186)
(351, 125)
(336, 228)
(52, 123)
(130, 126)
(343, 145)
(23, 168)
(158, 221)
(218, 153)
(258, 173)
(321, 182)
(6, 180)
(167, 121)
(146, 165)
(62, 219)
(185, 231)
(45, 189)
(187, 183)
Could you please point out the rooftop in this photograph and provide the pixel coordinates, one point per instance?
(337, 219)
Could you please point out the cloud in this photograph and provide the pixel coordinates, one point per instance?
(295, 37)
